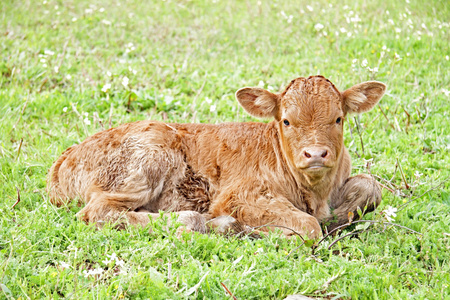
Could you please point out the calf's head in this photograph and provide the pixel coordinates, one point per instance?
(310, 114)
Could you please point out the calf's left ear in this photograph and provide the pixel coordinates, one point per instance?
(363, 97)
(258, 102)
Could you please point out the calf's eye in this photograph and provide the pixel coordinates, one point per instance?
(338, 120)
(286, 122)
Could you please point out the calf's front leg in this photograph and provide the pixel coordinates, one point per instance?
(360, 191)
(263, 213)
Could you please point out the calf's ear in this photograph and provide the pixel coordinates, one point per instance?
(258, 102)
(363, 97)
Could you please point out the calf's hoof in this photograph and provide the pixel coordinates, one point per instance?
(227, 225)
(192, 221)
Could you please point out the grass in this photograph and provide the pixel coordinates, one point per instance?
(184, 60)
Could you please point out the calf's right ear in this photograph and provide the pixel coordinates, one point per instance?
(258, 102)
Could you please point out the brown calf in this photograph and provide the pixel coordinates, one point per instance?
(288, 172)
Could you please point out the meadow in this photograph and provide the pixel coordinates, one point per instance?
(69, 69)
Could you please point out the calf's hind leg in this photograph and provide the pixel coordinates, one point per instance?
(360, 191)
(119, 208)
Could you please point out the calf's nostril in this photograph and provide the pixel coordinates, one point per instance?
(325, 153)
(307, 155)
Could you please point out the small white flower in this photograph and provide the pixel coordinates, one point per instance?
(88, 11)
(106, 22)
(120, 263)
(97, 271)
(56, 69)
(87, 121)
(398, 30)
(397, 57)
(261, 84)
(309, 8)
(101, 9)
(65, 109)
(417, 174)
(390, 213)
(208, 100)
(446, 92)
(68, 77)
(343, 30)
(74, 19)
(364, 63)
(43, 60)
(318, 27)
(212, 108)
(132, 70)
(63, 264)
(168, 99)
(447, 57)
(108, 73)
(106, 87)
(49, 52)
(125, 81)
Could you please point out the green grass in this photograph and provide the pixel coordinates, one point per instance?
(184, 61)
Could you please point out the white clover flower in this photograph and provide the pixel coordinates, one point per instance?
(87, 121)
(106, 87)
(364, 63)
(390, 213)
(212, 108)
(125, 81)
(318, 27)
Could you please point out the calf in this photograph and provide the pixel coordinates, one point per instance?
(288, 172)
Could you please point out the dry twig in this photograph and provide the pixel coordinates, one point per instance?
(228, 291)
(18, 198)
